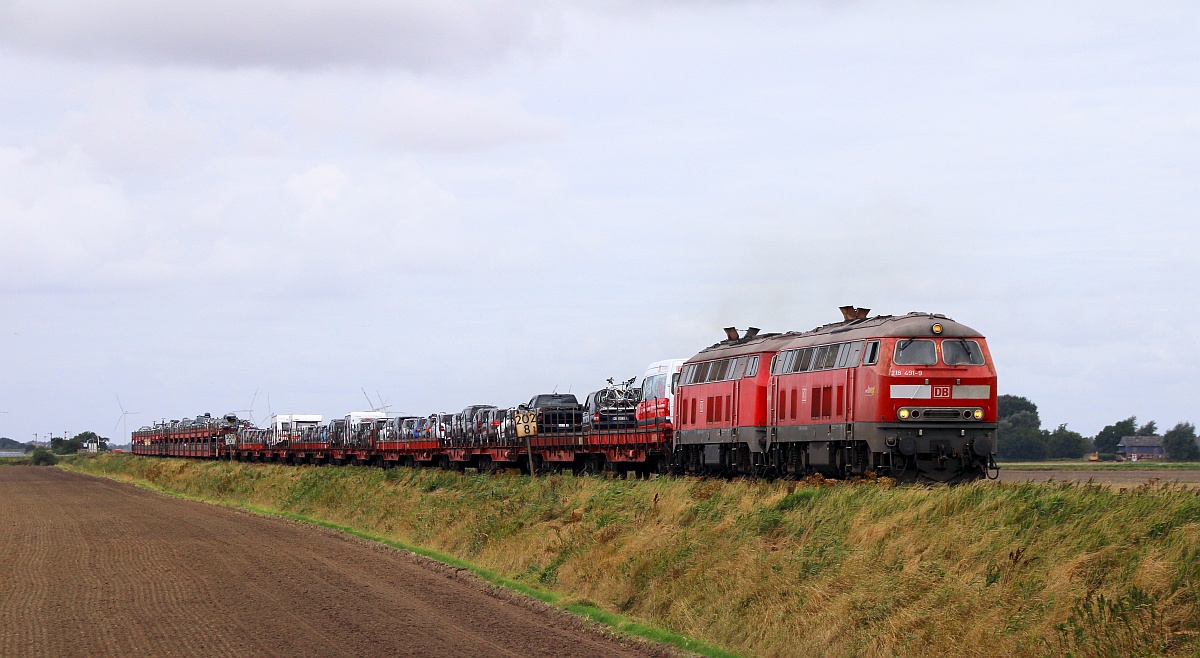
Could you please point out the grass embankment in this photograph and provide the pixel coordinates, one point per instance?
(777, 568)
(16, 461)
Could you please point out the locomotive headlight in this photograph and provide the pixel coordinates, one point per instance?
(903, 414)
(936, 328)
(978, 414)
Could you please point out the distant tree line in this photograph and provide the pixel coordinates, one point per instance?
(1021, 437)
(11, 444)
(77, 443)
(58, 444)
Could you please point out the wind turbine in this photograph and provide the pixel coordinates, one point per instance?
(121, 418)
(383, 406)
(249, 411)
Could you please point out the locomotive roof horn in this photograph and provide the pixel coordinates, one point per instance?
(853, 313)
(750, 333)
(731, 333)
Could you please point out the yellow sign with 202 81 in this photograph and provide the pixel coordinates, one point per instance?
(526, 423)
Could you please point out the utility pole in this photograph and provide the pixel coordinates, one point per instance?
(529, 451)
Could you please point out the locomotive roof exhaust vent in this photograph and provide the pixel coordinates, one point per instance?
(731, 333)
(853, 313)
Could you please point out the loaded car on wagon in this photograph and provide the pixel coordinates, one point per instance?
(557, 413)
(613, 407)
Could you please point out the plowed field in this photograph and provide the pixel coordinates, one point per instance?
(1115, 477)
(93, 567)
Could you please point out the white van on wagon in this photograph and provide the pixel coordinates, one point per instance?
(658, 393)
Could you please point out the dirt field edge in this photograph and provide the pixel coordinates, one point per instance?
(587, 613)
(778, 568)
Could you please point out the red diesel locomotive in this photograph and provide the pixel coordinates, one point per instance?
(912, 397)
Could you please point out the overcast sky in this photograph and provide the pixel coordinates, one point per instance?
(456, 203)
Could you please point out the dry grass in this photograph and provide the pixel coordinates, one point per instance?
(777, 568)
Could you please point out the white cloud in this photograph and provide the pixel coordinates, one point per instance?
(417, 35)
(63, 229)
(407, 117)
(126, 137)
(318, 186)
(421, 118)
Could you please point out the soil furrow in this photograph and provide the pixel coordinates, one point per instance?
(93, 567)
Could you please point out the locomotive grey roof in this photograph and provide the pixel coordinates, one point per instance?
(880, 326)
(761, 343)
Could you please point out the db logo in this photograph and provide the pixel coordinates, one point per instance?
(941, 391)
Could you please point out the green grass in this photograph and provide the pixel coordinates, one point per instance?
(774, 568)
(15, 461)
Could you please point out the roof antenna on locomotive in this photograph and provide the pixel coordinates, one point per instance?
(853, 313)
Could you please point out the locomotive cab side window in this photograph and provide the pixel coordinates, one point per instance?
(752, 368)
(872, 353)
(914, 352)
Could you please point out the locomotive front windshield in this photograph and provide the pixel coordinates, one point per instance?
(959, 352)
(913, 352)
(922, 352)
